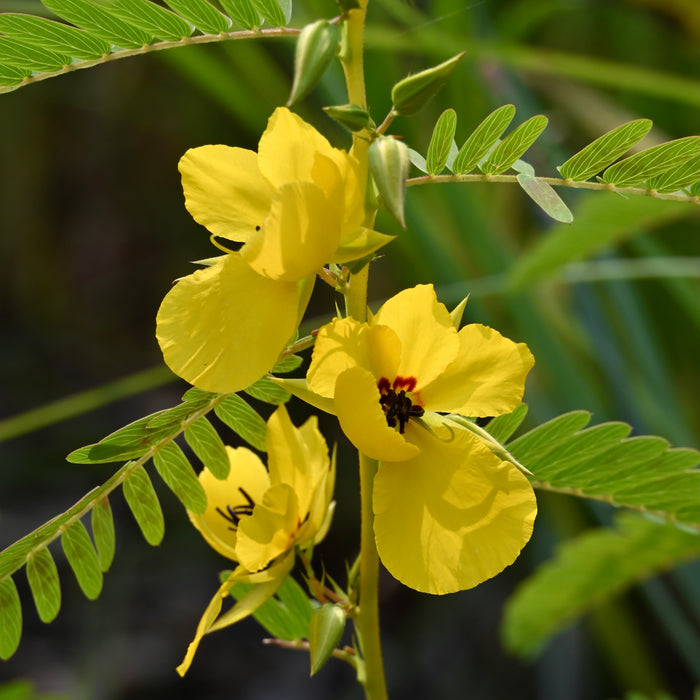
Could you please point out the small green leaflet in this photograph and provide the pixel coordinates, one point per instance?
(150, 18)
(43, 581)
(546, 198)
(266, 390)
(514, 145)
(11, 75)
(678, 178)
(143, 502)
(242, 12)
(203, 15)
(16, 53)
(502, 427)
(10, 618)
(205, 442)
(588, 570)
(55, 36)
(271, 12)
(654, 161)
(103, 532)
(243, 420)
(176, 471)
(441, 142)
(82, 558)
(482, 139)
(90, 15)
(287, 364)
(604, 150)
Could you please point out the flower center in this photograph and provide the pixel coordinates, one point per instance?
(396, 401)
(234, 513)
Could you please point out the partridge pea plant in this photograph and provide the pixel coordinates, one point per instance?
(429, 399)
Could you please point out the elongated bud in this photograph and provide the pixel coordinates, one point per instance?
(350, 116)
(411, 93)
(325, 631)
(389, 163)
(316, 46)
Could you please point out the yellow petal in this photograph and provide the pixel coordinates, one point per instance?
(288, 148)
(247, 472)
(487, 378)
(223, 327)
(424, 327)
(298, 237)
(363, 421)
(224, 190)
(452, 517)
(270, 530)
(339, 345)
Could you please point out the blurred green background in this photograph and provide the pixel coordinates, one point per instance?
(94, 231)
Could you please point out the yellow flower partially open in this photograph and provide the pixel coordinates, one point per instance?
(257, 517)
(449, 513)
(295, 205)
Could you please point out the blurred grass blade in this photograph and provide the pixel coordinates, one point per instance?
(82, 558)
(514, 145)
(177, 472)
(482, 139)
(143, 502)
(546, 198)
(654, 161)
(43, 581)
(441, 142)
(243, 420)
(151, 18)
(208, 446)
(10, 618)
(604, 150)
(203, 15)
(103, 532)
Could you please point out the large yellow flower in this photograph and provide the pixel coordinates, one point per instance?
(258, 518)
(448, 512)
(295, 205)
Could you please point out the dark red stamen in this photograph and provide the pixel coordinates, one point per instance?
(397, 405)
(234, 513)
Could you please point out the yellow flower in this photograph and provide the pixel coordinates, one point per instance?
(258, 517)
(295, 205)
(449, 513)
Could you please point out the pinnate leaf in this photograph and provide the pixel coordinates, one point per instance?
(243, 420)
(604, 150)
(203, 15)
(242, 12)
(176, 471)
(202, 437)
(151, 18)
(677, 178)
(143, 502)
(271, 12)
(482, 139)
(514, 145)
(10, 618)
(82, 558)
(12, 75)
(43, 581)
(441, 142)
(103, 532)
(17, 53)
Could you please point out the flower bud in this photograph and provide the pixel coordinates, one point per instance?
(389, 162)
(350, 116)
(325, 631)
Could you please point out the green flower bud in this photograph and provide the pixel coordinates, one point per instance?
(350, 116)
(325, 631)
(389, 163)
(411, 93)
(316, 46)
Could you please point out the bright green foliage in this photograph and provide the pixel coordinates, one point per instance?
(654, 161)
(677, 179)
(588, 571)
(482, 139)
(208, 446)
(546, 198)
(203, 15)
(325, 631)
(11, 75)
(242, 419)
(43, 581)
(266, 390)
(103, 532)
(287, 364)
(441, 142)
(242, 12)
(604, 150)
(15, 53)
(82, 558)
(10, 618)
(143, 501)
(316, 46)
(285, 616)
(514, 145)
(178, 474)
(271, 12)
(502, 427)
(151, 18)
(58, 37)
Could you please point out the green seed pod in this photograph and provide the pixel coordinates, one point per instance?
(411, 93)
(325, 631)
(316, 46)
(350, 116)
(389, 162)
